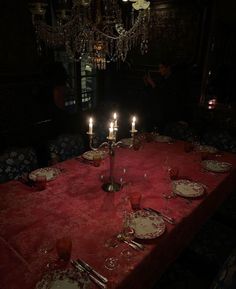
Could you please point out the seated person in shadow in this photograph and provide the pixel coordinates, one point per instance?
(56, 88)
(166, 96)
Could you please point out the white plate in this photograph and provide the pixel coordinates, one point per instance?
(146, 225)
(67, 279)
(163, 138)
(188, 189)
(50, 173)
(216, 166)
(207, 149)
(89, 155)
(127, 141)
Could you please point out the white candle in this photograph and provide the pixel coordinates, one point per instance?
(90, 126)
(133, 124)
(115, 119)
(111, 131)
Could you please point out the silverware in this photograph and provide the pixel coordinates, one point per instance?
(165, 217)
(131, 243)
(91, 277)
(91, 270)
(140, 246)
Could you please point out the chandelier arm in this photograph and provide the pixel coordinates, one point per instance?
(127, 33)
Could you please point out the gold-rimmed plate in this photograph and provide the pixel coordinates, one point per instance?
(50, 173)
(216, 166)
(206, 149)
(163, 138)
(188, 189)
(146, 224)
(90, 155)
(64, 279)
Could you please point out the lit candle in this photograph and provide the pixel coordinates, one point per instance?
(133, 124)
(115, 120)
(90, 126)
(111, 131)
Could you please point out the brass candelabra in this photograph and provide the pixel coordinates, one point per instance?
(111, 144)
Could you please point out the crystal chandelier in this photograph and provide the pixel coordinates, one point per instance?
(101, 30)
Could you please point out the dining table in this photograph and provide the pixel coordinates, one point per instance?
(74, 206)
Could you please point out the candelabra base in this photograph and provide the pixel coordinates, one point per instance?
(111, 187)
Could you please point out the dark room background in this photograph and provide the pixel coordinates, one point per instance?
(198, 36)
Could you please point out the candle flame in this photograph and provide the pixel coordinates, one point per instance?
(115, 116)
(134, 119)
(90, 120)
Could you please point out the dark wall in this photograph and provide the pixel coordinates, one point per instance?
(220, 69)
(18, 53)
(23, 90)
(178, 33)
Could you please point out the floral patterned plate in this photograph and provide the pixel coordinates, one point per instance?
(67, 279)
(146, 224)
(163, 138)
(50, 173)
(127, 141)
(206, 149)
(89, 155)
(188, 189)
(216, 166)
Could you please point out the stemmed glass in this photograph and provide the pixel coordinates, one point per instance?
(123, 176)
(166, 197)
(127, 234)
(111, 262)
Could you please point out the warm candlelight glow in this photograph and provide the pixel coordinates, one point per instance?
(90, 126)
(115, 119)
(133, 124)
(111, 131)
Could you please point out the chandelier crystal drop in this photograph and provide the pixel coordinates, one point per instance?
(101, 30)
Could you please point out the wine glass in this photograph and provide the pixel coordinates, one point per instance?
(127, 235)
(111, 263)
(173, 173)
(166, 197)
(166, 166)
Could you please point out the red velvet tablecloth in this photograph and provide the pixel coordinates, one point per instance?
(74, 204)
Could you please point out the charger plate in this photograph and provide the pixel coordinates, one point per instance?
(146, 224)
(89, 155)
(127, 141)
(216, 166)
(163, 138)
(188, 189)
(64, 279)
(50, 173)
(206, 149)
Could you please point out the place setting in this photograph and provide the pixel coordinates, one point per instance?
(38, 178)
(61, 272)
(188, 189)
(205, 149)
(182, 186)
(93, 157)
(163, 139)
(215, 166)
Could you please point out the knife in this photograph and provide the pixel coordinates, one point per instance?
(88, 268)
(165, 217)
(131, 243)
(91, 277)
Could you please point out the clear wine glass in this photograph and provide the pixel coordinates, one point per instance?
(166, 197)
(127, 234)
(111, 263)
